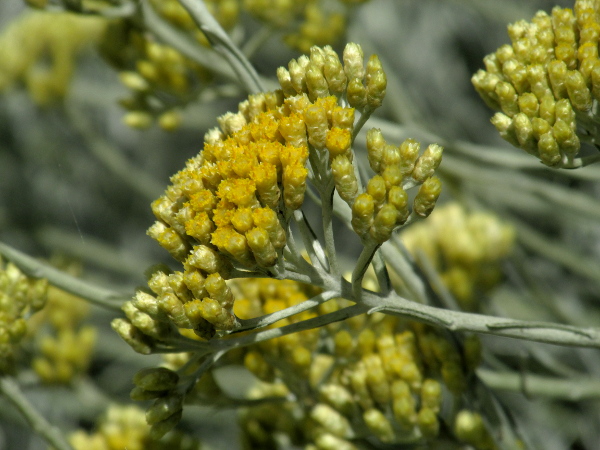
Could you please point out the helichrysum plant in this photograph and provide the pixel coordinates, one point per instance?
(312, 294)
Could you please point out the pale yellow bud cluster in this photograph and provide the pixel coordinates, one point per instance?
(384, 205)
(19, 298)
(305, 23)
(323, 74)
(156, 70)
(256, 297)
(40, 49)
(124, 427)
(467, 249)
(378, 376)
(65, 355)
(547, 79)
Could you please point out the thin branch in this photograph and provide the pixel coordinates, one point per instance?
(362, 264)
(223, 44)
(184, 44)
(327, 209)
(269, 319)
(36, 269)
(573, 388)
(551, 333)
(51, 434)
(311, 243)
(315, 322)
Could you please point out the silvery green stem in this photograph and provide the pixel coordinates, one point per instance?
(223, 44)
(36, 269)
(51, 434)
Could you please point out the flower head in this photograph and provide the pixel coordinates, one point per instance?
(546, 82)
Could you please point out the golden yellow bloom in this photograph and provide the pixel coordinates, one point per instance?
(552, 59)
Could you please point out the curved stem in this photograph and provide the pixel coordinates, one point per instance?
(51, 434)
(36, 269)
(223, 44)
(269, 319)
(573, 389)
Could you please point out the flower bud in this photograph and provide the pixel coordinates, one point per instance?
(428, 422)
(356, 93)
(138, 341)
(507, 96)
(335, 75)
(345, 178)
(579, 94)
(428, 162)
(261, 246)
(315, 118)
(285, 81)
(505, 127)
(353, 61)
(557, 73)
(316, 83)
(331, 420)
(379, 425)
(156, 379)
(384, 223)
(376, 82)
(427, 196)
(294, 186)
(375, 146)
(362, 214)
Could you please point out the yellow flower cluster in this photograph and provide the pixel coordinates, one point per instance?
(384, 204)
(52, 38)
(19, 298)
(546, 82)
(465, 248)
(225, 209)
(256, 297)
(124, 427)
(64, 356)
(377, 375)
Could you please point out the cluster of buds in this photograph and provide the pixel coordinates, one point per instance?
(157, 75)
(125, 427)
(19, 298)
(322, 74)
(226, 208)
(160, 384)
(54, 38)
(257, 297)
(378, 377)
(305, 23)
(384, 205)
(465, 248)
(547, 82)
(65, 355)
